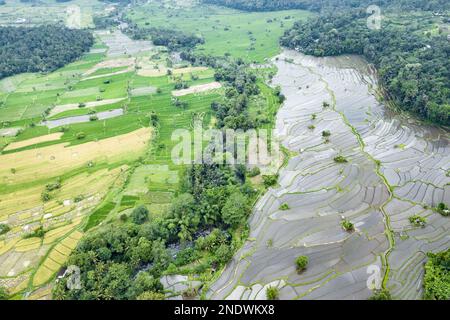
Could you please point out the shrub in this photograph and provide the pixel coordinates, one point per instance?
(311, 127)
(284, 207)
(150, 295)
(139, 215)
(272, 293)
(326, 133)
(325, 104)
(4, 228)
(270, 181)
(93, 118)
(254, 172)
(340, 159)
(418, 221)
(223, 254)
(301, 263)
(81, 105)
(382, 294)
(37, 233)
(347, 225)
(81, 135)
(442, 208)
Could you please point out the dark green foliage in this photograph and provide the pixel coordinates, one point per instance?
(38, 233)
(382, 294)
(170, 38)
(301, 263)
(150, 295)
(3, 293)
(45, 196)
(437, 276)
(418, 221)
(105, 22)
(442, 208)
(340, 159)
(140, 215)
(284, 207)
(412, 68)
(40, 49)
(99, 215)
(53, 186)
(255, 171)
(240, 82)
(326, 133)
(4, 229)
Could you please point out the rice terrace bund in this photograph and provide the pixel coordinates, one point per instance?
(395, 169)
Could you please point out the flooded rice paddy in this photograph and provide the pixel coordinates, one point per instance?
(395, 168)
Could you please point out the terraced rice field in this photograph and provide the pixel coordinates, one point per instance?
(122, 157)
(394, 169)
(76, 14)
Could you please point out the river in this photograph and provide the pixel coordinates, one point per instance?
(396, 168)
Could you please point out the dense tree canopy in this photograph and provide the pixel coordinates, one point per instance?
(40, 49)
(413, 68)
